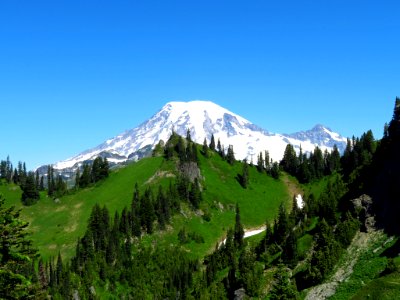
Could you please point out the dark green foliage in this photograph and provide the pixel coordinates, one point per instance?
(17, 279)
(244, 177)
(77, 178)
(30, 194)
(326, 254)
(275, 170)
(184, 237)
(346, 230)
(41, 184)
(106, 254)
(212, 143)
(238, 231)
(147, 211)
(230, 156)
(289, 249)
(250, 273)
(381, 178)
(195, 194)
(260, 162)
(283, 288)
(6, 170)
(282, 226)
(205, 148)
(93, 173)
(289, 163)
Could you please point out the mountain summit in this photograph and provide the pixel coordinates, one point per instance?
(204, 118)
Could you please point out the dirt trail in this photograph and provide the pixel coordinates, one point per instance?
(360, 243)
(293, 188)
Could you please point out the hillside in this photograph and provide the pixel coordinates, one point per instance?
(56, 225)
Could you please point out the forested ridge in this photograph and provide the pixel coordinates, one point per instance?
(299, 249)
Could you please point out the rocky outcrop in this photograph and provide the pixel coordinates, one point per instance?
(364, 207)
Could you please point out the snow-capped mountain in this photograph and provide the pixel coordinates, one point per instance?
(204, 118)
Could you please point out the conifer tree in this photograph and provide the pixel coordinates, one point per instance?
(59, 269)
(37, 180)
(147, 207)
(77, 178)
(85, 179)
(195, 194)
(16, 254)
(282, 226)
(260, 162)
(205, 148)
(230, 155)
(282, 288)
(239, 231)
(30, 194)
(188, 136)
(219, 148)
(41, 184)
(244, 177)
(212, 143)
(135, 211)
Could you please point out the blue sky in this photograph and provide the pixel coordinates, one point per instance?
(75, 73)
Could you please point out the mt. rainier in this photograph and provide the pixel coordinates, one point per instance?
(204, 118)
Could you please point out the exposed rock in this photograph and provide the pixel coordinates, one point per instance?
(75, 296)
(92, 290)
(190, 170)
(364, 206)
(240, 294)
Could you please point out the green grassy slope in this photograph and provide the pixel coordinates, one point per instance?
(56, 226)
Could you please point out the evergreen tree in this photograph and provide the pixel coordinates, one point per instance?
(42, 274)
(37, 180)
(260, 162)
(195, 194)
(250, 274)
(147, 207)
(283, 288)
(41, 185)
(205, 148)
(16, 254)
(85, 179)
(194, 157)
(290, 162)
(30, 194)
(212, 143)
(3, 169)
(77, 178)
(59, 269)
(61, 187)
(230, 156)
(244, 177)
(105, 169)
(239, 231)
(219, 148)
(135, 212)
(188, 136)
(267, 161)
(289, 249)
(282, 226)
(275, 170)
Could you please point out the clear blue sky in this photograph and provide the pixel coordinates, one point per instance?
(75, 73)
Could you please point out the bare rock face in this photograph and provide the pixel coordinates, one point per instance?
(240, 294)
(364, 206)
(190, 170)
